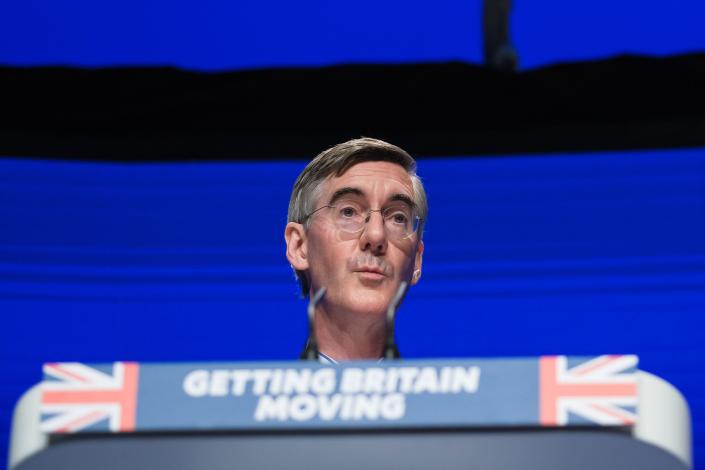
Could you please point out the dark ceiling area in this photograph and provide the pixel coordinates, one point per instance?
(167, 114)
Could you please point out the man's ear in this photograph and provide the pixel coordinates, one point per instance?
(296, 246)
(417, 264)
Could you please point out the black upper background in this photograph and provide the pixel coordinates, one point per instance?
(167, 114)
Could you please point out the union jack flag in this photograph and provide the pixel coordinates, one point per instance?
(76, 396)
(602, 390)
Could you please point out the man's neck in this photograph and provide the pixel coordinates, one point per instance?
(347, 336)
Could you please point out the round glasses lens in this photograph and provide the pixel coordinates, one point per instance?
(399, 220)
(348, 216)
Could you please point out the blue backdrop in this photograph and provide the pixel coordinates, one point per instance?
(574, 254)
(222, 34)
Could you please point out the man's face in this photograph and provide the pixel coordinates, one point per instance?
(361, 271)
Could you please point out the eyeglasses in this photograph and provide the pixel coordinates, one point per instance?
(400, 221)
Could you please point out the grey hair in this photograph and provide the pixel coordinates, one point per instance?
(334, 162)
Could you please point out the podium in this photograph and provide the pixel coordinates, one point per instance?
(444, 422)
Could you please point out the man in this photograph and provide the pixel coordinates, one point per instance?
(355, 224)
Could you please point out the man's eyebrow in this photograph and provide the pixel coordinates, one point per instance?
(344, 192)
(347, 190)
(403, 198)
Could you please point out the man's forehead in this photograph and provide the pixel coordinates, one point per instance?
(374, 176)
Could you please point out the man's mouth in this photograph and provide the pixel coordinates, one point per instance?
(370, 270)
(371, 274)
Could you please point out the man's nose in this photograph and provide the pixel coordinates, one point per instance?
(374, 234)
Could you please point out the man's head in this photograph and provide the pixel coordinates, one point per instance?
(334, 241)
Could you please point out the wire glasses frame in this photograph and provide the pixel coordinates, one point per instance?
(400, 222)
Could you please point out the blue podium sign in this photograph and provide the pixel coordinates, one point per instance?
(544, 391)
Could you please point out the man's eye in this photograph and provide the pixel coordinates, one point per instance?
(399, 218)
(348, 211)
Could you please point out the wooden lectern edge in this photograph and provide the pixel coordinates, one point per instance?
(663, 421)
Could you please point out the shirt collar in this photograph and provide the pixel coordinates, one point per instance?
(325, 359)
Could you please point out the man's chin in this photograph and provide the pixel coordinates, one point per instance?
(370, 301)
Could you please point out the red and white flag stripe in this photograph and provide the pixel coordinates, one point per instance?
(82, 396)
(597, 390)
